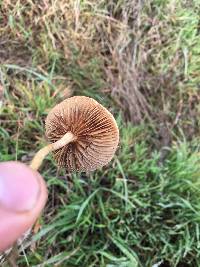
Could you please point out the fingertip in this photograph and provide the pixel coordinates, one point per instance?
(23, 195)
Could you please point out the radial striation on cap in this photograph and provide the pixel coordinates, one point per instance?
(93, 125)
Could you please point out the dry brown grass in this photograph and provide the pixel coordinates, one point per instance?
(143, 52)
(124, 60)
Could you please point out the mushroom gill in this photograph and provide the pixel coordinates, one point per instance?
(93, 129)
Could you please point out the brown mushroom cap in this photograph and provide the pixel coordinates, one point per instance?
(93, 125)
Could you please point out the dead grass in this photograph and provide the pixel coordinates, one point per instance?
(149, 49)
(146, 56)
(121, 49)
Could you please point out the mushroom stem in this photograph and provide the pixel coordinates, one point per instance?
(43, 152)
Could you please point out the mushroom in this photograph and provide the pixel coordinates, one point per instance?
(83, 134)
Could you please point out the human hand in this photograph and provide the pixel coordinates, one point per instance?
(23, 195)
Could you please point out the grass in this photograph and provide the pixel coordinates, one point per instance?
(134, 213)
(141, 60)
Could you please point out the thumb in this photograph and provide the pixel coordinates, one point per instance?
(23, 195)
